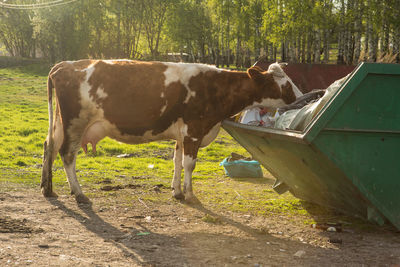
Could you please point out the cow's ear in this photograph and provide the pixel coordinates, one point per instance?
(283, 64)
(255, 73)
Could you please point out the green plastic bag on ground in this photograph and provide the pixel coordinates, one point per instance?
(242, 168)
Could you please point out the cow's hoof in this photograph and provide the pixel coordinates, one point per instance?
(191, 199)
(82, 199)
(47, 193)
(178, 196)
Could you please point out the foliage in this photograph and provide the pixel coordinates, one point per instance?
(221, 32)
(189, 27)
(16, 32)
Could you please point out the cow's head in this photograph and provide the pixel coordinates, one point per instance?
(276, 87)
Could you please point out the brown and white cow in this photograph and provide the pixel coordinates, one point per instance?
(135, 102)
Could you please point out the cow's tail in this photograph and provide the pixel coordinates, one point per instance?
(50, 88)
(48, 147)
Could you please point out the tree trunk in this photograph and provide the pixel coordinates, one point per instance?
(118, 52)
(396, 34)
(247, 60)
(34, 49)
(317, 47)
(396, 44)
(373, 48)
(228, 31)
(358, 30)
(348, 40)
(367, 30)
(217, 58)
(298, 49)
(266, 52)
(257, 38)
(341, 35)
(385, 29)
(326, 43)
(373, 38)
(283, 51)
(303, 49)
(309, 46)
(237, 58)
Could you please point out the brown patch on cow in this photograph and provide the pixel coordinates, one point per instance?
(175, 95)
(287, 93)
(265, 83)
(190, 147)
(133, 103)
(82, 64)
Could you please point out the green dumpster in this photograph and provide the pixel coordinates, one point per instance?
(348, 156)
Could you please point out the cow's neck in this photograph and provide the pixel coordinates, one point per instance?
(241, 93)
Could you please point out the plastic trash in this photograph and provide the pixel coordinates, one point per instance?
(242, 168)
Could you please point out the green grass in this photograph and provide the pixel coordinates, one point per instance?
(24, 125)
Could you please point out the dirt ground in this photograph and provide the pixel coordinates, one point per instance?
(57, 232)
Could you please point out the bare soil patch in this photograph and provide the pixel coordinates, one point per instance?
(41, 232)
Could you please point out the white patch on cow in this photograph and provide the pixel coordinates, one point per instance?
(184, 129)
(194, 139)
(163, 108)
(281, 78)
(114, 61)
(276, 70)
(101, 94)
(58, 136)
(85, 86)
(190, 94)
(178, 165)
(183, 72)
(71, 176)
(188, 162)
(176, 130)
(212, 134)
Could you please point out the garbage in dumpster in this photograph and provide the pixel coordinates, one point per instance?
(237, 166)
(259, 117)
(294, 116)
(298, 119)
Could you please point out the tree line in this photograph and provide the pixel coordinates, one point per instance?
(221, 32)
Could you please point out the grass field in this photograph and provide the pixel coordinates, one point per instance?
(23, 128)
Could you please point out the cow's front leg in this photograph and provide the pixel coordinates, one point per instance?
(176, 181)
(190, 148)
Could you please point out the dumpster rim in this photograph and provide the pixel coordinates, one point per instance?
(296, 136)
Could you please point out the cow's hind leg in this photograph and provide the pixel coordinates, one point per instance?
(176, 181)
(46, 183)
(50, 149)
(68, 157)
